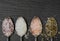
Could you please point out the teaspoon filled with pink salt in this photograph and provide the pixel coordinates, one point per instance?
(36, 27)
(7, 27)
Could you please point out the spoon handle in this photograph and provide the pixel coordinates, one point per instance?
(7, 38)
(35, 38)
(20, 38)
(51, 39)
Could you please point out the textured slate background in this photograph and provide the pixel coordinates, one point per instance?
(29, 9)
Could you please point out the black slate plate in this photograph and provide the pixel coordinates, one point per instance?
(28, 9)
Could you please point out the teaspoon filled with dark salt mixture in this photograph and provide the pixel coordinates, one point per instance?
(51, 27)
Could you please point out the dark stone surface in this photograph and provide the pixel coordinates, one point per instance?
(28, 9)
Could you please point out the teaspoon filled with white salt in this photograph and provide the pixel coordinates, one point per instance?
(20, 27)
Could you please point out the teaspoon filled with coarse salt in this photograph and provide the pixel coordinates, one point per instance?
(7, 27)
